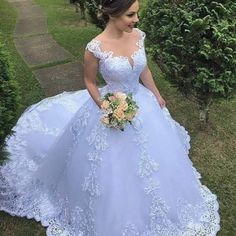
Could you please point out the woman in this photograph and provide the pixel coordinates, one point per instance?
(80, 178)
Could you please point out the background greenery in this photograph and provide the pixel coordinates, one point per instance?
(194, 42)
(27, 89)
(8, 93)
(213, 149)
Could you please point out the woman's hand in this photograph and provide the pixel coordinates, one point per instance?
(161, 101)
(148, 82)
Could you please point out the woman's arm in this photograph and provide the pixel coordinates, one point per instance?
(147, 79)
(90, 76)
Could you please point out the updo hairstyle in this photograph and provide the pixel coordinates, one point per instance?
(113, 8)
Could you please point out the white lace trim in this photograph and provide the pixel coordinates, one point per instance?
(94, 46)
(207, 211)
(40, 203)
(117, 70)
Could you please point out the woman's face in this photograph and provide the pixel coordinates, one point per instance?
(126, 22)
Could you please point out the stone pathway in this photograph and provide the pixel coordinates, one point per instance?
(38, 49)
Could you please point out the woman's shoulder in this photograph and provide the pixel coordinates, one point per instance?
(102, 37)
(94, 45)
(141, 33)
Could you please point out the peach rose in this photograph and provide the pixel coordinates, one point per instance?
(120, 95)
(119, 114)
(105, 120)
(105, 104)
(123, 105)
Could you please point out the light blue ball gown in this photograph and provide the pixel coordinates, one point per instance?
(80, 178)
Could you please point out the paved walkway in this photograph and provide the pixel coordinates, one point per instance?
(38, 49)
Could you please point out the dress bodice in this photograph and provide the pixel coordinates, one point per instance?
(117, 71)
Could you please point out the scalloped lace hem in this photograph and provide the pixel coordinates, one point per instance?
(38, 203)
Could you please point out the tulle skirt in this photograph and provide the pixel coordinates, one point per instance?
(80, 178)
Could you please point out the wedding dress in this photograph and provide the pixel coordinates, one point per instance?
(80, 178)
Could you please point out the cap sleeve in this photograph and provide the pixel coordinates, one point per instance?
(142, 37)
(94, 47)
(143, 34)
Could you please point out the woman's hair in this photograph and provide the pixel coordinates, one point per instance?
(112, 8)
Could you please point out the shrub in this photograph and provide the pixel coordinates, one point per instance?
(8, 94)
(79, 4)
(92, 6)
(194, 43)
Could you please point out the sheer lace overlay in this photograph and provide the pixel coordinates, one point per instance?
(117, 71)
(80, 178)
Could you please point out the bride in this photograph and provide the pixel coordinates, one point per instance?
(81, 178)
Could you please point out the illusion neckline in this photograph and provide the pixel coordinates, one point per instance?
(130, 59)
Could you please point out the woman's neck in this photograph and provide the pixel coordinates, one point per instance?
(112, 32)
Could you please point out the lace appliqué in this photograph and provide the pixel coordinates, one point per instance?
(33, 122)
(130, 230)
(80, 122)
(94, 46)
(182, 132)
(159, 223)
(117, 71)
(98, 140)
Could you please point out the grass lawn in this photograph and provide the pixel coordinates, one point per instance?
(30, 90)
(213, 149)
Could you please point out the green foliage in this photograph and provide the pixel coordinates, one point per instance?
(194, 42)
(79, 4)
(8, 94)
(212, 150)
(92, 6)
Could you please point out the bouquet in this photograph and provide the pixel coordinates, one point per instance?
(118, 109)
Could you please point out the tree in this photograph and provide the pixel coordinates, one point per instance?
(92, 6)
(194, 43)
